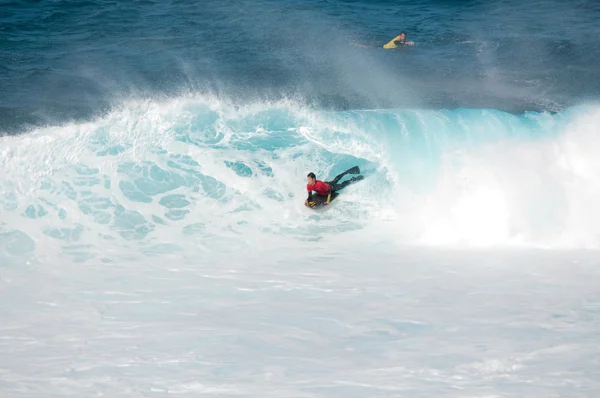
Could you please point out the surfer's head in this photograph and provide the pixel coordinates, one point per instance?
(402, 35)
(312, 178)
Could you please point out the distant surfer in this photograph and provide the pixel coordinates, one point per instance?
(328, 188)
(399, 40)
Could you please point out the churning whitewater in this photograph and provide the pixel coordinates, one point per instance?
(164, 249)
(195, 172)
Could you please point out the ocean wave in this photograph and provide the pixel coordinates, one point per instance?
(200, 174)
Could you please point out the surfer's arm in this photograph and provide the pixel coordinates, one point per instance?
(328, 198)
(308, 199)
(397, 41)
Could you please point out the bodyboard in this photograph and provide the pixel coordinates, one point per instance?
(318, 201)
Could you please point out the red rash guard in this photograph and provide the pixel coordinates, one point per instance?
(319, 187)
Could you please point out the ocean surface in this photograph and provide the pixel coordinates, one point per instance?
(153, 236)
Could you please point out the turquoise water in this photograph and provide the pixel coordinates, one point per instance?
(198, 172)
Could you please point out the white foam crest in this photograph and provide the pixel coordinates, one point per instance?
(540, 192)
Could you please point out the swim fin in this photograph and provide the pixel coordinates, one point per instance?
(354, 170)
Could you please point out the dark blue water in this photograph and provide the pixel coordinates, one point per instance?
(62, 60)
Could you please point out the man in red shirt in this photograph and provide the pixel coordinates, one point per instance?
(327, 188)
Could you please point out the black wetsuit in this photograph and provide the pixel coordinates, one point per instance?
(334, 183)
